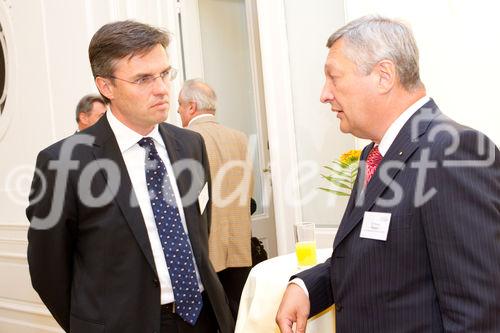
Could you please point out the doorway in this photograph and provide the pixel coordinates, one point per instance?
(219, 43)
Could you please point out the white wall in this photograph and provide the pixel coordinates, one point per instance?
(226, 57)
(227, 68)
(303, 133)
(318, 138)
(459, 44)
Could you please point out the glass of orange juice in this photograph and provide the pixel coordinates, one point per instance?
(305, 244)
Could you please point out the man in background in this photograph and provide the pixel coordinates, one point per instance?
(89, 110)
(418, 247)
(232, 185)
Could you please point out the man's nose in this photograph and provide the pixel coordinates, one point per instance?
(161, 86)
(326, 94)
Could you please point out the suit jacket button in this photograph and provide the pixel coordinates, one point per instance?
(338, 307)
(156, 282)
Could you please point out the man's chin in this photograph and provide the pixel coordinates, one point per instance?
(344, 128)
(161, 115)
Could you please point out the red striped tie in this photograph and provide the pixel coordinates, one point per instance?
(372, 162)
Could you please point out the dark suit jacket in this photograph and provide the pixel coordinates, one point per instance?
(439, 270)
(94, 268)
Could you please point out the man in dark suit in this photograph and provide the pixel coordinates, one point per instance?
(418, 248)
(89, 110)
(120, 213)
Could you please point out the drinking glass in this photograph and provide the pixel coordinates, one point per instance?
(305, 244)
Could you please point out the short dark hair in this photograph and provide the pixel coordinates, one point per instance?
(86, 103)
(117, 40)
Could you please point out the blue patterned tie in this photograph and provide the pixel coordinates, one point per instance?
(178, 254)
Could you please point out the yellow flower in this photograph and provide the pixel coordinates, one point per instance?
(342, 173)
(350, 157)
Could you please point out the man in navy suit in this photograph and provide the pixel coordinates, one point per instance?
(418, 248)
(120, 212)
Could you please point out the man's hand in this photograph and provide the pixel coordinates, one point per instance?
(294, 308)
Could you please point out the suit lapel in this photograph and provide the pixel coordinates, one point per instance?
(175, 153)
(106, 148)
(403, 147)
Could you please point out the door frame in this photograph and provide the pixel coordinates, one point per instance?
(280, 120)
(191, 44)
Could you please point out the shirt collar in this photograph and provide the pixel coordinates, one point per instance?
(397, 125)
(205, 115)
(127, 137)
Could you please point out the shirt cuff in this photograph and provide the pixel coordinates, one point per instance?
(301, 284)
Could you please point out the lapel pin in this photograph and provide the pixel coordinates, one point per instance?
(400, 153)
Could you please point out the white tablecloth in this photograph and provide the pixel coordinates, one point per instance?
(262, 295)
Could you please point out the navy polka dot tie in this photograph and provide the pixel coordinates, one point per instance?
(178, 254)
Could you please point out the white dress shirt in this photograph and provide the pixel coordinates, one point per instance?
(386, 142)
(134, 157)
(393, 130)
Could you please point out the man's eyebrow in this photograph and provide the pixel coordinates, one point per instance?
(139, 75)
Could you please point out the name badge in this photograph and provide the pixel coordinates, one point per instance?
(203, 198)
(375, 225)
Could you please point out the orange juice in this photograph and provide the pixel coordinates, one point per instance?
(306, 253)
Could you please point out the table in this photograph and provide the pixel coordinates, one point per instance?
(262, 295)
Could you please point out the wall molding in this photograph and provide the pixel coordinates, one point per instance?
(14, 226)
(13, 258)
(14, 231)
(24, 307)
(21, 326)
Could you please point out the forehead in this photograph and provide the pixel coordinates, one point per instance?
(149, 62)
(336, 59)
(98, 107)
(97, 104)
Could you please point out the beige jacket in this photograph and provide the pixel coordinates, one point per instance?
(230, 232)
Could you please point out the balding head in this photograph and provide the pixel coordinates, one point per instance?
(88, 111)
(196, 97)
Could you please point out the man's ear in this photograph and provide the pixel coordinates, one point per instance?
(386, 72)
(105, 87)
(192, 108)
(83, 119)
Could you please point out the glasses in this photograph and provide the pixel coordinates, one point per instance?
(148, 80)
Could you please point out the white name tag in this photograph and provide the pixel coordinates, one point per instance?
(203, 198)
(375, 225)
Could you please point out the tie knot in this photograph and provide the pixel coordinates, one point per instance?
(372, 161)
(148, 144)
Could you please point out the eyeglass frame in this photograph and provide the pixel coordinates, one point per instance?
(170, 73)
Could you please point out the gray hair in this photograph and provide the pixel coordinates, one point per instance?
(86, 103)
(198, 91)
(371, 39)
